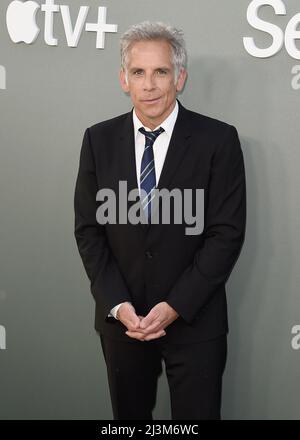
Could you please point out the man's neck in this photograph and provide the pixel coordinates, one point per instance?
(153, 123)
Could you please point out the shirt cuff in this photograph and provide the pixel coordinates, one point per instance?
(114, 310)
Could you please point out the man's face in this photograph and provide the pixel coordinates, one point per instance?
(151, 77)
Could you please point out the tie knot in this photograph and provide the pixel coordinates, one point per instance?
(151, 135)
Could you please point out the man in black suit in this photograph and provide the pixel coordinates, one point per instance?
(160, 292)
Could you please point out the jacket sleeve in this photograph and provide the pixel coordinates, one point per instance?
(107, 284)
(224, 231)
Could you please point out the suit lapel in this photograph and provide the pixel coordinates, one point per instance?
(127, 153)
(177, 149)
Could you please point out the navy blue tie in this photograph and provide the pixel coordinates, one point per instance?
(147, 176)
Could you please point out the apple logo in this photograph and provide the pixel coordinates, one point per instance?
(20, 21)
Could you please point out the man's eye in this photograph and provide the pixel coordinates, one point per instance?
(137, 72)
(161, 72)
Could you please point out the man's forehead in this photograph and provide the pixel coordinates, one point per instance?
(138, 58)
(142, 60)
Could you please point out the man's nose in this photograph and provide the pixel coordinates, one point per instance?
(149, 82)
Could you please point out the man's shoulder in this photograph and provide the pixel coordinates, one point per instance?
(109, 125)
(211, 125)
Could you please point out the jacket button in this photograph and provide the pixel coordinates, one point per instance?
(149, 254)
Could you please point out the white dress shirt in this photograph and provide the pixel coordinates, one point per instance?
(160, 148)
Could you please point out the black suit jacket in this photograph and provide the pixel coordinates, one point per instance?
(147, 264)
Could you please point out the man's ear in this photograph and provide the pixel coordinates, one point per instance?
(122, 79)
(181, 80)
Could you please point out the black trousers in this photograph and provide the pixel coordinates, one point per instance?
(194, 373)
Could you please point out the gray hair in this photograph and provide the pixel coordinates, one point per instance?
(149, 31)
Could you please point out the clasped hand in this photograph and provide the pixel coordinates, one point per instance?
(145, 328)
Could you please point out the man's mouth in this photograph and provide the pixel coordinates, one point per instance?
(151, 101)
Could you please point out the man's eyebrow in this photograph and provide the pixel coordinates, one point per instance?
(157, 68)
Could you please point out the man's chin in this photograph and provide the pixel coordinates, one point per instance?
(153, 112)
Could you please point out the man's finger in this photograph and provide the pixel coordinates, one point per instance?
(154, 327)
(132, 323)
(155, 335)
(135, 334)
(142, 336)
(148, 320)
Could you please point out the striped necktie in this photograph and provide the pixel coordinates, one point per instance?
(147, 177)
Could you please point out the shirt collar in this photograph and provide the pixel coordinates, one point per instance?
(167, 124)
